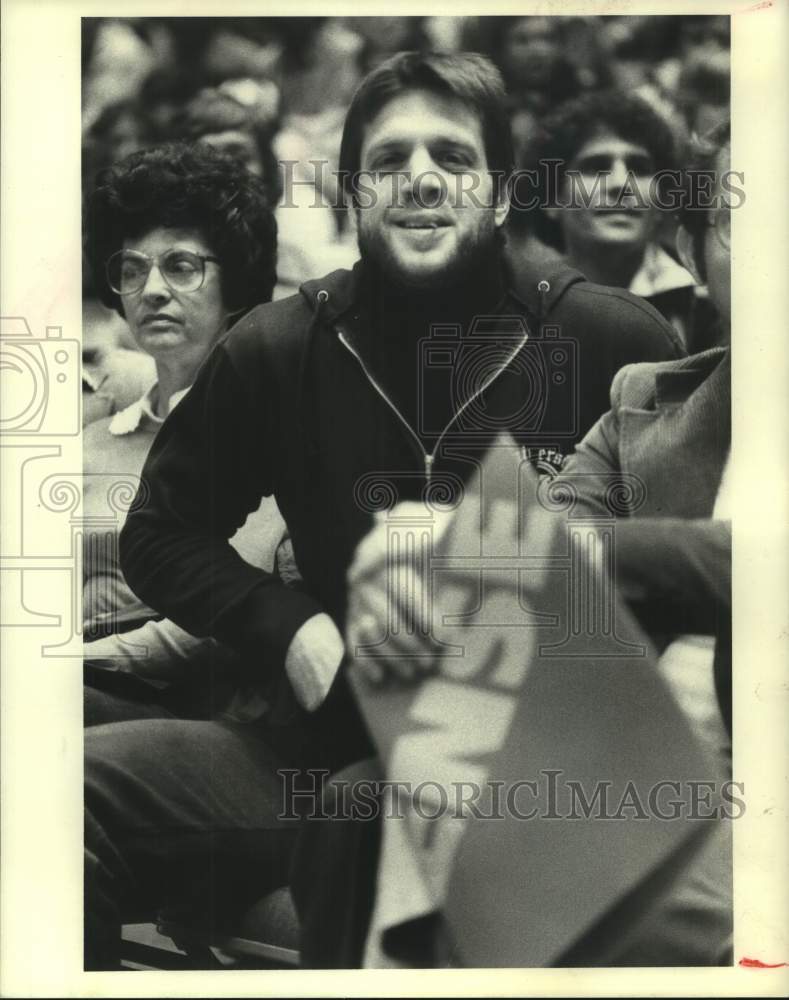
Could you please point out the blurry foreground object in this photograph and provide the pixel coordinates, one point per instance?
(542, 674)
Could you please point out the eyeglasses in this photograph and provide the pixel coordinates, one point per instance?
(182, 270)
(721, 223)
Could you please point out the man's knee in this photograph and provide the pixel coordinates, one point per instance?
(128, 768)
(354, 792)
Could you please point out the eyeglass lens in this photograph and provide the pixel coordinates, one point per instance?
(128, 271)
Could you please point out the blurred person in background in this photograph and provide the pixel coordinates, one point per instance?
(217, 117)
(529, 52)
(214, 49)
(703, 93)
(675, 64)
(637, 47)
(596, 159)
(238, 119)
(442, 34)
(163, 94)
(537, 70)
(699, 39)
(114, 371)
(384, 36)
(118, 130)
(319, 70)
(241, 118)
(117, 57)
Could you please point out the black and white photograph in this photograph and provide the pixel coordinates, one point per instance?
(384, 555)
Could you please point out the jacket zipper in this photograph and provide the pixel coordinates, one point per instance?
(428, 458)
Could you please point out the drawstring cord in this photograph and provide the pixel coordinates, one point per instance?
(543, 288)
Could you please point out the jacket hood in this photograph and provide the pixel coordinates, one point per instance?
(538, 287)
(333, 294)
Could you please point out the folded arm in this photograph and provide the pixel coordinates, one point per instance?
(208, 468)
(674, 572)
(157, 650)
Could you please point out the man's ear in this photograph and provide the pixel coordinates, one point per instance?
(353, 217)
(686, 254)
(502, 209)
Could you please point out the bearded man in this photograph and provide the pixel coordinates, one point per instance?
(431, 340)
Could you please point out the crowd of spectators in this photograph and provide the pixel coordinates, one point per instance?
(274, 92)
(217, 148)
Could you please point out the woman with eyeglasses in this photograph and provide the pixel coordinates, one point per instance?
(181, 242)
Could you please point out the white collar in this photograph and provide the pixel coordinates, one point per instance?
(659, 272)
(127, 421)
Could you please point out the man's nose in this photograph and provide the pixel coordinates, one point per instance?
(155, 286)
(424, 176)
(619, 174)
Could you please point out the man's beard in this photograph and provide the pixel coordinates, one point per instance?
(473, 257)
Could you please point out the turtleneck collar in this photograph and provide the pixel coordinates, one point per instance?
(394, 309)
(396, 320)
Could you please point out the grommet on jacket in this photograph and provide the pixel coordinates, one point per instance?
(543, 287)
(323, 295)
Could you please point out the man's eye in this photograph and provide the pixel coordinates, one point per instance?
(387, 162)
(595, 165)
(641, 165)
(454, 158)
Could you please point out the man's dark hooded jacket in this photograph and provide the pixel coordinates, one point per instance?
(290, 402)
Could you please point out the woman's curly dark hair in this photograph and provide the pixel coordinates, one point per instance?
(194, 187)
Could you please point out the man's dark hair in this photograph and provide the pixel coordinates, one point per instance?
(467, 77)
(694, 215)
(624, 115)
(562, 134)
(194, 187)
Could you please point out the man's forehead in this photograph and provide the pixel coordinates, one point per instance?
(417, 115)
(225, 137)
(609, 143)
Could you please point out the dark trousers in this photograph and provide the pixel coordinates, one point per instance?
(177, 811)
(334, 878)
(333, 874)
(188, 812)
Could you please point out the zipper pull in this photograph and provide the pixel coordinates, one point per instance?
(429, 467)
